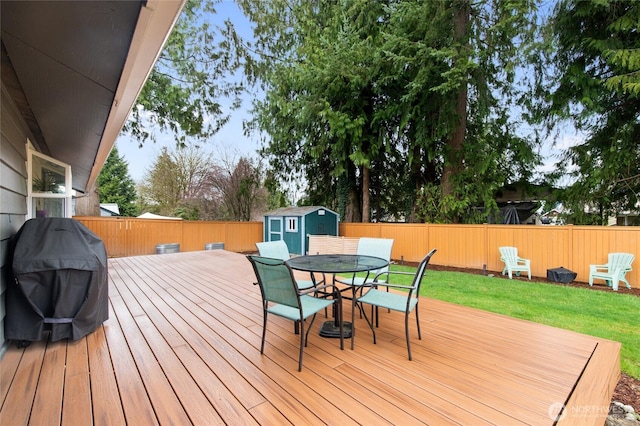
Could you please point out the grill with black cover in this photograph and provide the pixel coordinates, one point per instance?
(60, 281)
(561, 275)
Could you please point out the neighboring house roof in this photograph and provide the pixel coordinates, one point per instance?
(297, 211)
(522, 192)
(112, 207)
(109, 209)
(74, 69)
(156, 216)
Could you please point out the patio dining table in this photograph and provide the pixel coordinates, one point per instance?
(336, 264)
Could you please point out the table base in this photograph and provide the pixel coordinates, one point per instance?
(331, 329)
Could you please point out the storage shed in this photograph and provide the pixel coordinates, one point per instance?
(294, 224)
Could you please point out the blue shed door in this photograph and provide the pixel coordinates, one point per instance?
(275, 229)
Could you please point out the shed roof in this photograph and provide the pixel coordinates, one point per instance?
(297, 211)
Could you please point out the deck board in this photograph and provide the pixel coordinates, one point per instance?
(182, 346)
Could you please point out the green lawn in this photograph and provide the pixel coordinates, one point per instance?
(603, 314)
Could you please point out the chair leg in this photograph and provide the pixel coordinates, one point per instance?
(375, 312)
(418, 323)
(341, 319)
(370, 324)
(406, 331)
(264, 330)
(303, 342)
(306, 337)
(353, 322)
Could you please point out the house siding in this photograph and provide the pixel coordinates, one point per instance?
(13, 189)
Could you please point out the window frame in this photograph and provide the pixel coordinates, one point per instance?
(291, 224)
(34, 159)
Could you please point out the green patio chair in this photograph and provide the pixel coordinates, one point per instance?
(513, 262)
(613, 271)
(282, 297)
(405, 301)
(279, 250)
(378, 247)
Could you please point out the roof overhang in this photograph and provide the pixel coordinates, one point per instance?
(75, 69)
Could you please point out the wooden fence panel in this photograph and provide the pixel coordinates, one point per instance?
(461, 246)
(111, 231)
(472, 246)
(464, 246)
(197, 234)
(592, 244)
(134, 237)
(411, 240)
(243, 236)
(358, 230)
(144, 235)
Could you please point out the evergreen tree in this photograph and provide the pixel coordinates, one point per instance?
(374, 101)
(115, 185)
(591, 79)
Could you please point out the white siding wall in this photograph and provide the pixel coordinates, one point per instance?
(13, 189)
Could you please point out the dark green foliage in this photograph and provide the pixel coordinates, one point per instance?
(361, 100)
(184, 92)
(592, 81)
(116, 186)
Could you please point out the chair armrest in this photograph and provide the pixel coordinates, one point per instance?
(316, 289)
(376, 283)
(396, 273)
(596, 268)
(398, 286)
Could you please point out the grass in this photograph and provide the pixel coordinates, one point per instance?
(602, 314)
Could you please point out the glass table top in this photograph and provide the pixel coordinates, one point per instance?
(336, 263)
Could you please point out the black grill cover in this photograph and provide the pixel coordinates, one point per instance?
(60, 281)
(561, 275)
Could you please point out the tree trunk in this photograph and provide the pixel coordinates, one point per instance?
(352, 208)
(366, 196)
(453, 161)
(88, 204)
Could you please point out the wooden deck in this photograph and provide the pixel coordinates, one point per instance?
(182, 346)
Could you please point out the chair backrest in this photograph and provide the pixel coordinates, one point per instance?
(276, 281)
(274, 249)
(620, 261)
(422, 267)
(378, 247)
(330, 244)
(509, 255)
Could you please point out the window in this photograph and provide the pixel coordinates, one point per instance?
(292, 224)
(49, 189)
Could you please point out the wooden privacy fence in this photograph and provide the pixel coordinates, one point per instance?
(462, 246)
(132, 237)
(476, 246)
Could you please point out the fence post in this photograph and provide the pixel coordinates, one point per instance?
(570, 245)
(486, 245)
